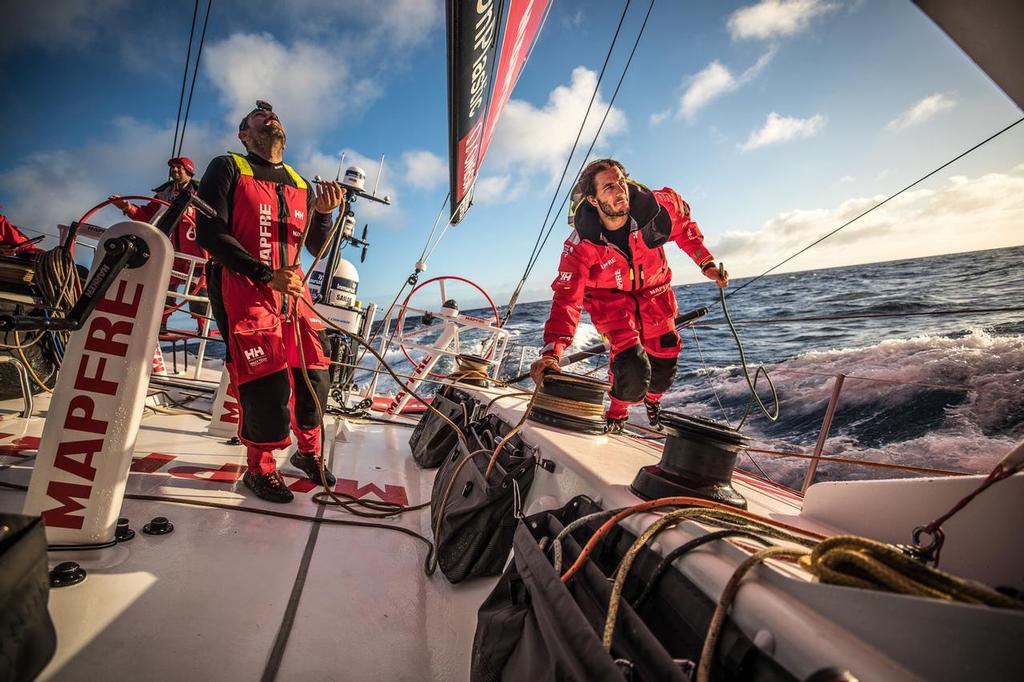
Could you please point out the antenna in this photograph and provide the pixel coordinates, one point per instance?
(341, 164)
(380, 172)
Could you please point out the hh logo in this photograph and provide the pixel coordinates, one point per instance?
(255, 356)
(299, 215)
(564, 276)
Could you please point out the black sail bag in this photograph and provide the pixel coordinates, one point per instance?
(433, 439)
(534, 628)
(473, 514)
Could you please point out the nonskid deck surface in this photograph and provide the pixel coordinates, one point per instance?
(237, 595)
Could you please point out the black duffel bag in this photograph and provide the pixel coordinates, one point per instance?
(474, 516)
(434, 439)
(534, 628)
(27, 637)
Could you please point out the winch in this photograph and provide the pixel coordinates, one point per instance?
(572, 402)
(698, 461)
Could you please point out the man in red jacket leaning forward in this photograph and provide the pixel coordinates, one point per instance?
(614, 266)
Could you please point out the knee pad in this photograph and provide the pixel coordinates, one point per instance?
(631, 371)
(663, 372)
(264, 401)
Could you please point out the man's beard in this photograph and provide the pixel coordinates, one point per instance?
(610, 212)
(268, 136)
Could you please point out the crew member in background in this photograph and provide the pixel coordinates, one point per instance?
(183, 237)
(614, 266)
(263, 208)
(13, 241)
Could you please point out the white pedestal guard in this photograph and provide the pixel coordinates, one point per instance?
(86, 448)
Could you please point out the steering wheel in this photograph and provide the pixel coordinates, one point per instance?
(400, 322)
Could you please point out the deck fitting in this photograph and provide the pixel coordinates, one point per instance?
(123, 532)
(66, 574)
(160, 525)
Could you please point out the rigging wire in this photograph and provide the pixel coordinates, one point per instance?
(184, 77)
(568, 160)
(195, 75)
(593, 142)
(423, 254)
(878, 205)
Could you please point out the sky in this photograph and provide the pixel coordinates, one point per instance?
(777, 120)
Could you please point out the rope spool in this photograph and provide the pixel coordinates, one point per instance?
(472, 370)
(572, 402)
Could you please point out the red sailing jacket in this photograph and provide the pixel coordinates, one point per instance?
(622, 293)
(11, 236)
(184, 236)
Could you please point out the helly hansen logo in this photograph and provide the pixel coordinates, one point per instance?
(255, 356)
(564, 276)
(299, 215)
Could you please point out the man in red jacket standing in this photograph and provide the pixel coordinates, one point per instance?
(614, 266)
(277, 348)
(183, 238)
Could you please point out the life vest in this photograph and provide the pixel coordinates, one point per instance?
(268, 218)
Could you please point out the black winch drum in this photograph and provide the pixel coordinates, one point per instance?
(698, 461)
(576, 403)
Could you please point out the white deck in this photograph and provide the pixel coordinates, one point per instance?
(240, 596)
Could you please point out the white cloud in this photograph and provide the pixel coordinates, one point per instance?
(309, 86)
(574, 20)
(778, 129)
(918, 223)
(847, 179)
(494, 190)
(132, 161)
(776, 18)
(921, 111)
(660, 117)
(531, 139)
(55, 26)
(714, 81)
(424, 169)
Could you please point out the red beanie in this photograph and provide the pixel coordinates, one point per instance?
(184, 162)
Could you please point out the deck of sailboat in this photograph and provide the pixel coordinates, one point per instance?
(245, 594)
(234, 594)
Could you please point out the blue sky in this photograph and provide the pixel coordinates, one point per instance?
(777, 120)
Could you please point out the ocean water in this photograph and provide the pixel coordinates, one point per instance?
(929, 390)
(940, 391)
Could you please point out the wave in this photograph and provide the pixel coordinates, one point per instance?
(934, 401)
